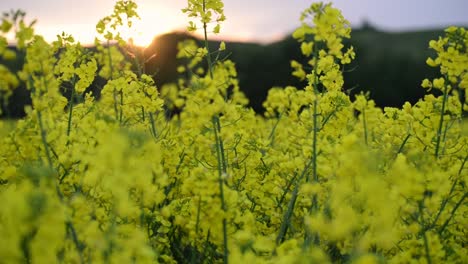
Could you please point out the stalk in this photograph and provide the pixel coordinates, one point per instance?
(426, 248)
(271, 137)
(452, 213)
(70, 109)
(444, 203)
(222, 164)
(121, 107)
(208, 58)
(43, 133)
(289, 212)
(287, 216)
(315, 131)
(153, 126)
(308, 236)
(426, 243)
(41, 124)
(364, 124)
(441, 122)
(221, 172)
(314, 146)
(44, 138)
(400, 149)
(111, 74)
(197, 227)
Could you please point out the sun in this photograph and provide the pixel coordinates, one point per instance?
(142, 40)
(154, 20)
(140, 37)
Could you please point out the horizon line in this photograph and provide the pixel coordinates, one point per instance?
(266, 41)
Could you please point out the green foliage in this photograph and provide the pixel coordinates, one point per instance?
(188, 173)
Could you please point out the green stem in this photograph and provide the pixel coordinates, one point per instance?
(197, 227)
(205, 246)
(153, 126)
(121, 106)
(286, 190)
(197, 224)
(221, 146)
(314, 145)
(60, 195)
(442, 228)
(289, 212)
(441, 123)
(79, 245)
(140, 68)
(364, 125)
(222, 164)
(426, 248)
(44, 138)
(426, 243)
(143, 116)
(444, 203)
(287, 216)
(43, 133)
(315, 120)
(308, 235)
(208, 56)
(70, 109)
(273, 130)
(111, 67)
(400, 149)
(221, 173)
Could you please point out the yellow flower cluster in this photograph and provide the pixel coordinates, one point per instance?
(452, 58)
(123, 15)
(322, 40)
(8, 80)
(187, 173)
(204, 10)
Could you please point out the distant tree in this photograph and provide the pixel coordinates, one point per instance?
(367, 25)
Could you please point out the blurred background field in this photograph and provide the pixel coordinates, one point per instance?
(390, 39)
(389, 65)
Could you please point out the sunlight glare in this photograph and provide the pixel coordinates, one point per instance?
(155, 20)
(143, 32)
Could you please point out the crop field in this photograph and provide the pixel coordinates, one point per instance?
(188, 173)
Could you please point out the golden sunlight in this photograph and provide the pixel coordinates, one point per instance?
(143, 31)
(155, 20)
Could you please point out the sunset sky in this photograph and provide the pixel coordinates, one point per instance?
(247, 20)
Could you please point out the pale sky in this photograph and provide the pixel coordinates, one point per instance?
(247, 20)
